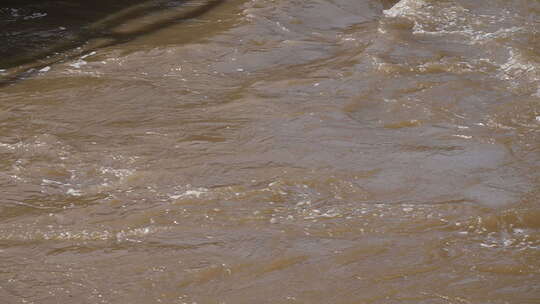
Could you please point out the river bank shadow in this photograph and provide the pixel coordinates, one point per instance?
(36, 34)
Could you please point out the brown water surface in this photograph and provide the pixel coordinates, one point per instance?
(285, 151)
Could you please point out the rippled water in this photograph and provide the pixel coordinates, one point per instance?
(258, 151)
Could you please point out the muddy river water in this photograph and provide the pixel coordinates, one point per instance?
(271, 151)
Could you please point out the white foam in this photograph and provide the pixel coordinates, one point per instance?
(89, 54)
(78, 64)
(518, 70)
(73, 192)
(14, 12)
(516, 65)
(57, 234)
(198, 192)
(35, 16)
(404, 8)
(119, 173)
(449, 20)
(462, 136)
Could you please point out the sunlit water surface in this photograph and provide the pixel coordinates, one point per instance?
(286, 151)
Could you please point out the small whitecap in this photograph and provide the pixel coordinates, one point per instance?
(89, 54)
(488, 245)
(194, 192)
(35, 16)
(50, 182)
(404, 8)
(78, 64)
(73, 192)
(508, 242)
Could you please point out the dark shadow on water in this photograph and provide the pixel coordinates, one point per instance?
(35, 34)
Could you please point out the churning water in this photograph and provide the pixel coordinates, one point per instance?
(270, 151)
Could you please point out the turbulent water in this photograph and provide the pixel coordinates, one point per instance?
(272, 151)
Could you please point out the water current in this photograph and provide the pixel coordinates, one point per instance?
(270, 151)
